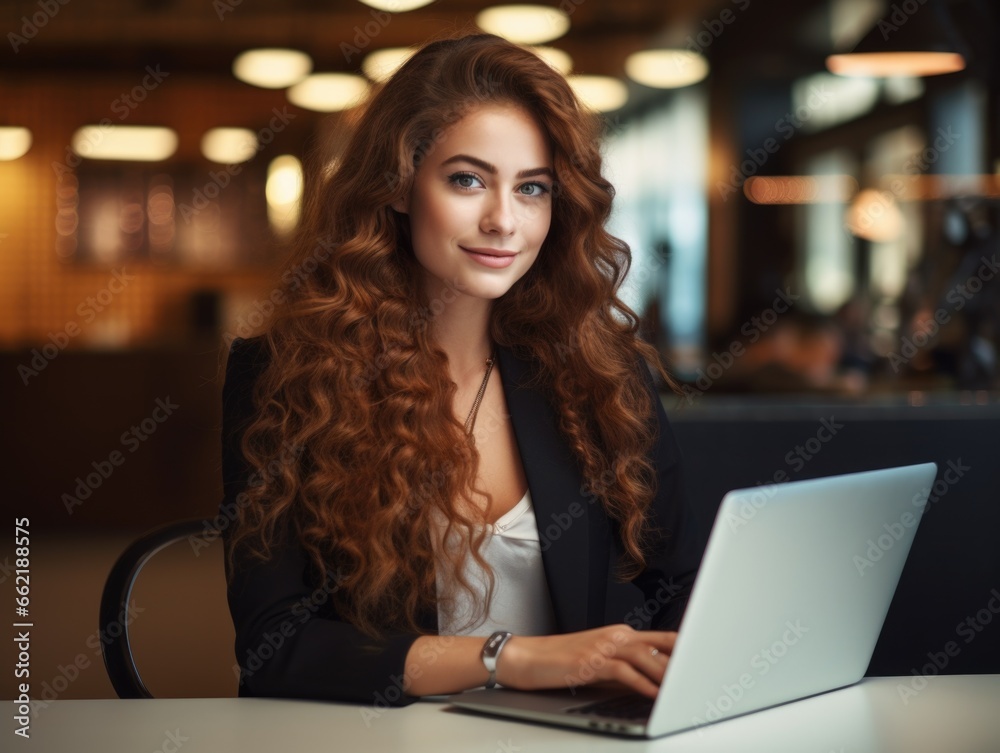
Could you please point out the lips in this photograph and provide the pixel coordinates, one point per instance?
(488, 251)
(491, 257)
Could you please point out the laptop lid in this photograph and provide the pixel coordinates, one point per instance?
(789, 601)
(791, 594)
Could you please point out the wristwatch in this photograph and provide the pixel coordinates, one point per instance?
(491, 652)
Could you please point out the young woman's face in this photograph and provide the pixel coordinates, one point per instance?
(481, 202)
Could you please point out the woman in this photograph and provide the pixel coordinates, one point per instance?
(445, 457)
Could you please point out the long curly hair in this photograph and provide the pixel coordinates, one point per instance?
(355, 379)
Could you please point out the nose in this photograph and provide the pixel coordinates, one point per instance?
(498, 216)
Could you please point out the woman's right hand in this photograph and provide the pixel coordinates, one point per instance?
(614, 653)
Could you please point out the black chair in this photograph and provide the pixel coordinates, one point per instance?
(115, 646)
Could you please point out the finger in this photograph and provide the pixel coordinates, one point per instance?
(633, 679)
(649, 660)
(662, 640)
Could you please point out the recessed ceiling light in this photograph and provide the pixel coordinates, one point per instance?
(272, 68)
(14, 142)
(601, 93)
(555, 57)
(229, 146)
(666, 69)
(133, 143)
(396, 6)
(525, 24)
(328, 92)
(381, 64)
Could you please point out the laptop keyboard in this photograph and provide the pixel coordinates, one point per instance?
(633, 707)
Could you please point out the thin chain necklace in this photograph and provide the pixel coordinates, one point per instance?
(471, 420)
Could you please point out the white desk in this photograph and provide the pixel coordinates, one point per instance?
(952, 714)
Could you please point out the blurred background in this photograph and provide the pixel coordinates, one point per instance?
(810, 188)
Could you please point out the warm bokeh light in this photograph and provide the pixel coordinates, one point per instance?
(328, 92)
(381, 64)
(666, 69)
(524, 24)
(272, 67)
(887, 64)
(229, 146)
(601, 93)
(14, 142)
(800, 189)
(284, 193)
(875, 216)
(131, 143)
(555, 57)
(396, 6)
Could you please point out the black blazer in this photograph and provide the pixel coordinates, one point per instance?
(289, 640)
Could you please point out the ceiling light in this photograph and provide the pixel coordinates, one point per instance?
(229, 146)
(284, 193)
(666, 69)
(396, 6)
(524, 24)
(134, 143)
(884, 64)
(272, 68)
(558, 59)
(14, 142)
(381, 64)
(921, 42)
(328, 92)
(601, 93)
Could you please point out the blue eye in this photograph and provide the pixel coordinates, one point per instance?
(542, 189)
(454, 180)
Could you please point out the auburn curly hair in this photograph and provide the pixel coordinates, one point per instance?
(355, 378)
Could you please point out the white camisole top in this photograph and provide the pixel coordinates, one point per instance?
(521, 601)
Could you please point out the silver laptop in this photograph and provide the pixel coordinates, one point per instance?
(789, 601)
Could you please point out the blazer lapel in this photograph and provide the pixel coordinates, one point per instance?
(555, 482)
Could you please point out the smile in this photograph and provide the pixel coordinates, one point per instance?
(495, 261)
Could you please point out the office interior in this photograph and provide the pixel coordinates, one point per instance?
(815, 231)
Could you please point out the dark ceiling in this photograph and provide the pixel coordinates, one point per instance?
(205, 35)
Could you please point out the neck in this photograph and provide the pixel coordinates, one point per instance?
(461, 329)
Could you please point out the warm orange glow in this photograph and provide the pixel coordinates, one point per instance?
(875, 216)
(800, 189)
(887, 64)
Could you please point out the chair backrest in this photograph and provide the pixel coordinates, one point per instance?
(115, 645)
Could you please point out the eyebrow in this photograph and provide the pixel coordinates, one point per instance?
(484, 165)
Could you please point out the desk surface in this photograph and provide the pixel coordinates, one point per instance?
(959, 714)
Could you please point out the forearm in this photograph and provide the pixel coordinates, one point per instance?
(437, 665)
